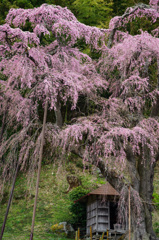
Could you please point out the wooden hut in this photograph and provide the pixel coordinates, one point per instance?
(101, 209)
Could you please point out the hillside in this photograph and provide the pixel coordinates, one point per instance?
(53, 202)
(156, 201)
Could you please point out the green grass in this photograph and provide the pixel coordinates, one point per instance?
(155, 214)
(52, 207)
(53, 203)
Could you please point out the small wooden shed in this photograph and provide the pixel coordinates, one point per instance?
(101, 209)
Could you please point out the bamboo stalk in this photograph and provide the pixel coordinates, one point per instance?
(9, 201)
(129, 216)
(78, 234)
(102, 236)
(107, 234)
(39, 170)
(90, 233)
(76, 238)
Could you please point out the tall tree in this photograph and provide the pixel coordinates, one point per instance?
(5, 5)
(119, 6)
(94, 13)
(33, 67)
(42, 56)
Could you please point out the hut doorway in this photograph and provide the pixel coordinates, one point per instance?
(113, 214)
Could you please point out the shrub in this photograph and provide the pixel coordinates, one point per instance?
(156, 199)
(156, 227)
(78, 209)
(58, 229)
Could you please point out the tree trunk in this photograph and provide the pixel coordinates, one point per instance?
(141, 175)
(146, 173)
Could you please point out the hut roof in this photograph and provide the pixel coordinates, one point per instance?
(105, 189)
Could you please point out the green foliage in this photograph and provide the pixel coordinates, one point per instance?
(153, 82)
(156, 228)
(3, 76)
(143, 23)
(78, 209)
(37, 3)
(27, 26)
(153, 74)
(156, 199)
(5, 5)
(23, 4)
(148, 107)
(77, 193)
(82, 46)
(93, 12)
(47, 39)
(62, 3)
(120, 6)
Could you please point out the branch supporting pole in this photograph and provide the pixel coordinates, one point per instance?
(90, 232)
(129, 215)
(39, 168)
(9, 201)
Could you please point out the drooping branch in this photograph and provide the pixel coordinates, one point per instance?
(155, 108)
(3, 121)
(58, 114)
(119, 21)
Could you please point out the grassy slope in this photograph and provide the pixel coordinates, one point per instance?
(53, 203)
(155, 213)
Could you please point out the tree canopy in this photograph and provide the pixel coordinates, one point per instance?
(96, 13)
(107, 79)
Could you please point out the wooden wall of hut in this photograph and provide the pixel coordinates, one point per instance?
(98, 214)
